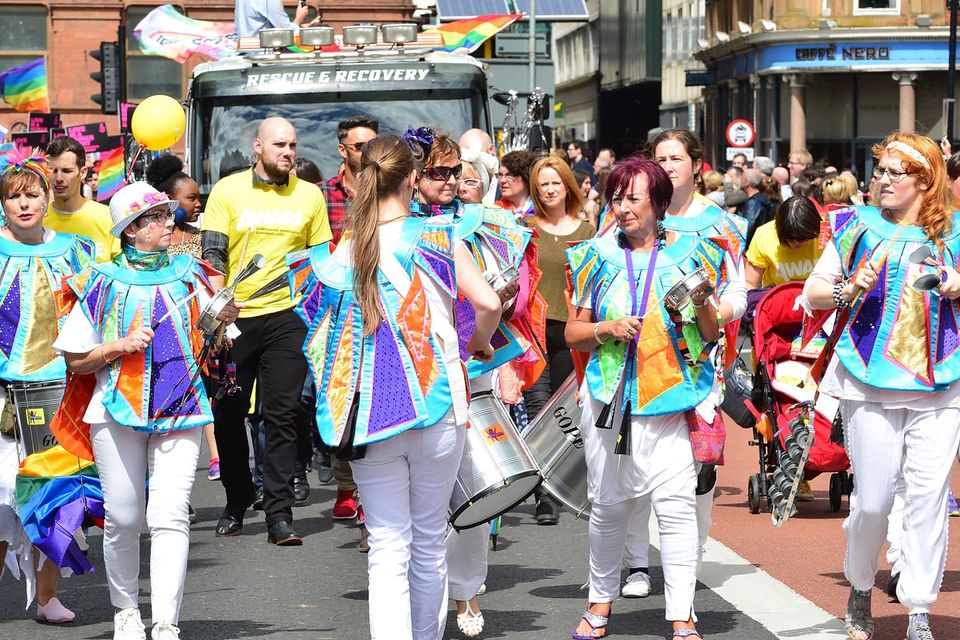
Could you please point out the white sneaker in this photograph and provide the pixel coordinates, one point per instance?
(127, 625)
(637, 586)
(165, 631)
(482, 590)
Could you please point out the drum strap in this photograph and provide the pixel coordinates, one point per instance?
(623, 438)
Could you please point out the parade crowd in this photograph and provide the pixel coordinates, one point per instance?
(360, 325)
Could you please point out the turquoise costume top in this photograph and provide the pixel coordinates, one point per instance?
(897, 337)
(159, 389)
(658, 382)
(31, 277)
(713, 222)
(397, 375)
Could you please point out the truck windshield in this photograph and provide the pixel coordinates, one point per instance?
(225, 127)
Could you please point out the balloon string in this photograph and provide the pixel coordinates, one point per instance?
(133, 163)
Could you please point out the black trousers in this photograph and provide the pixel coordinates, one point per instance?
(268, 351)
(558, 369)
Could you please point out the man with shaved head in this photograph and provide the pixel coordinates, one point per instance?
(263, 211)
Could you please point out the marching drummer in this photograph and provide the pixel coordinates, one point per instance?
(131, 346)
(391, 281)
(34, 261)
(638, 387)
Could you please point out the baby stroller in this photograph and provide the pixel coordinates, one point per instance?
(781, 393)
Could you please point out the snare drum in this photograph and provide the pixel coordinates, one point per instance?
(497, 471)
(679, 294)
(554, 439)
(207, 323)
(35, 404)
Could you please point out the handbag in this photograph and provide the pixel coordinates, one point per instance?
(706, 438)
(737, 390)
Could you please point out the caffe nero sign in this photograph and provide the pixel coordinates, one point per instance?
(920, 54)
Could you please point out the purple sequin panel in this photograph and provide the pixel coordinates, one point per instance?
(947, 338)
(170, 391)
(311, 302)
(466, 323)
(442, 268)
(500, 246)
(10, 316)
(841, 217)
(499, 339)
(390, 401)
(866, 324)
(91, 298)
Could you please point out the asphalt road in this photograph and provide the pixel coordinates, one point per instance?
(245, 588)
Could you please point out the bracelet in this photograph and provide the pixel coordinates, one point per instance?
(838, 295)
(104, 357)
(596, 336)
(702, 304)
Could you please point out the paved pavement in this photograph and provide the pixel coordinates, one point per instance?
(246, 588)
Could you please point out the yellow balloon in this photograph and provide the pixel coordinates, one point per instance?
(158, 122)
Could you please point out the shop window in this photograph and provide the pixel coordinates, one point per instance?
(24, 34)
(149, 75)
(862, 7)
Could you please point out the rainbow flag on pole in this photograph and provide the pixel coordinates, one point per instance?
(469, 34)
(167, 32)
(111, 175)
(25, 87)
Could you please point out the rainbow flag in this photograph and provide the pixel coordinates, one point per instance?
(469, 34)
(167, 32)
(25, 87)
(111, 175)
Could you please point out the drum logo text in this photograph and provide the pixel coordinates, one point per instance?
(35, 416)
(569, 428)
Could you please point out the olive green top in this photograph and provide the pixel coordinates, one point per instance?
(552, 258)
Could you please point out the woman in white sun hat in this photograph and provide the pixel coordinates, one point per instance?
(133, 354)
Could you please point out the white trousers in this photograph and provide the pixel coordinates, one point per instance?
(405, 485)
(636, 553)
(467, 561)
(674, 505)
(885, 446)
(124, 459)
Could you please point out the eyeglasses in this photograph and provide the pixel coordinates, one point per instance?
(473, 183)
(506, 176)
(356, 146)
(442, 174)
(159, 217)
(895, 176)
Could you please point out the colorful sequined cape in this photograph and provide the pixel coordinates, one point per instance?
(155, 391)
(397, 373)
(657, 380)
(897, 337)
(30, 279)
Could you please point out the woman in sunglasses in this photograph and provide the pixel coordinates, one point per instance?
(135, 400)
(895, 369)
(439, 171)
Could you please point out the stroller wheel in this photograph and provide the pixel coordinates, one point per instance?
(836, 492)
(753, 493)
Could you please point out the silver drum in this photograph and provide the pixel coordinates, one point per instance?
(553, 437)
(679, 294)
(497, 471)
(35, 404)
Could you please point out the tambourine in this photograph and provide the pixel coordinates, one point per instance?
(679, 294)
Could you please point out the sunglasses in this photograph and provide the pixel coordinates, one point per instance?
(356, 146)
(442, 174)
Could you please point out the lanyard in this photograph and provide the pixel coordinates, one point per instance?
(648, 282)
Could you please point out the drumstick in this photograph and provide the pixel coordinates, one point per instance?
(883, 259)
(243, 249)
(174, 308)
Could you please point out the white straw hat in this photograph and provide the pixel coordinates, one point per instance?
(132, 201)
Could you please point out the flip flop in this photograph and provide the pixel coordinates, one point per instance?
(595, 621)
(687, 633)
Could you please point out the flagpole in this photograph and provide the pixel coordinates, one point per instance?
(533, 45)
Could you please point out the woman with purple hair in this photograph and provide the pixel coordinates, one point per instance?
(646, 369)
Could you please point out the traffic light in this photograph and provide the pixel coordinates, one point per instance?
(110, 76)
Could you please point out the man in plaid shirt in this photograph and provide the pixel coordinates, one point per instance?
(353, 133)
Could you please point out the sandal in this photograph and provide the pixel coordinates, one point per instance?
(595, 621)
(687, 633)
(470, 622)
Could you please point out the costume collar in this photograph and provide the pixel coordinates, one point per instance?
(142, 260)
(421, 210)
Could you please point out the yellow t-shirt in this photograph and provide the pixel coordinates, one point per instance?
(93, 221)
(278, 220)
(779, 262)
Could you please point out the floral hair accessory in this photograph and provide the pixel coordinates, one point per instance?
(148, 201)
(18, 160)
(421, 138)
(909, 151)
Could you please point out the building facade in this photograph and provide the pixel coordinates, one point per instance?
(831, 76)
(65, 31)
(684, 23)
(577, 55)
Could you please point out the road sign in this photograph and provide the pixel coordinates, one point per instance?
(747, 151)
(740, 133)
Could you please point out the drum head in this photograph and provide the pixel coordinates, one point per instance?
(495, 501)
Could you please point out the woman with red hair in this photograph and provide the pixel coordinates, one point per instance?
(895, 370)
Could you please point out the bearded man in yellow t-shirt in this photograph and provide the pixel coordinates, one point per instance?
(263, 210)
(70, 212)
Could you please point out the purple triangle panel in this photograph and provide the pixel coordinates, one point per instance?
(441, 269)
(866, 324)
(91, 298)
(170, 390)
(466, 323)
(10, 316)
(947, 333)
(390, 401)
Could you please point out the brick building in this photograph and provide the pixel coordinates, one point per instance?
(65, 31)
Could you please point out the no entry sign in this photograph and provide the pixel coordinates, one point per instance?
(740, 133)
